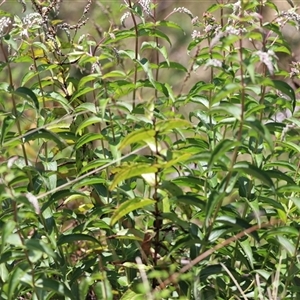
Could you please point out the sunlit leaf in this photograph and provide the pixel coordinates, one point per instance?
(136, 137)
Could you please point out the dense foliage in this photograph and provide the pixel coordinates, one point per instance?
(124, 176)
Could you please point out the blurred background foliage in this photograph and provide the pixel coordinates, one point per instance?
(104, 17)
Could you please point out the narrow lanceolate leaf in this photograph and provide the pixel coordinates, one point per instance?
(88, 122)
(286, 244)
(237, 222)
(221, 149)
(137, 136)
(280, 176)
(28, 94)
(75, 237)
(14, 279)
(42, 133)
(128, 171)
(58, 288)
(261, 130)
(128, 207)
(254, 172)
(285, 89)
(89, 137)
(60, 195)
(213, 200)
(166, 126)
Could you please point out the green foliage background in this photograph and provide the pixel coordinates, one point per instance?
(154, 159)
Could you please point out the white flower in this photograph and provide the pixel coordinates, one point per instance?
(267, 59)
(196, 34)
(146, 6)
(235, 31)
(124, 17)
(184, 10)
(33, 19)
(4, 24)
(213, 63)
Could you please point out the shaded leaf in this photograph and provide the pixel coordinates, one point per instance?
(254, 171)
(29, 95)
(75, 237)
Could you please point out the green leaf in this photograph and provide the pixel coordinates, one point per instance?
(254, 171)
(93, 165)
(58, 288)
(16, 275)
(88, 181)
(57, 97)
(60, 195)
(129, 206)
(248, 251)
(237, 222)
(153, 45)
(6, 231)
(84, 286)
(221, 149)
(34, 134)
(169, 24)
(86, 138)
(128, 171)
(28, 94)
(39, 245)
(137, 136)
(288, 189)
(286, 89)
(131, 295)
(190, 200)
(172, 65)
(262, 131)
(103, 290)
(114, 74)
(230, 109)
(88, 122)
(153, 32)
(119, 35)
(213, 200)
(145, 64)
(75, 237)
(289, 145)
(6, 125)
(87, 106)
(280, 176)
(87, 78)
(226, 91)
(81, 92)
(286, 244)
(166, 126)
(296, 201)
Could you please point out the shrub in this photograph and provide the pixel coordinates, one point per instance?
(119, 183)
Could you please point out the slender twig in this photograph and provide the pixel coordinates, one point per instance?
(234, 281)
(136, 50)
(174, 277)
(70, 183)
